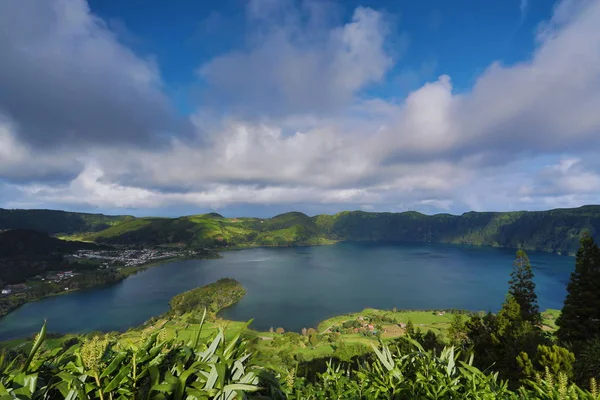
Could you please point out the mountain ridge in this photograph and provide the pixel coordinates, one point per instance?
(557, 230)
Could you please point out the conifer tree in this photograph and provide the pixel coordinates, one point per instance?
(522, 288)
(580, 317)
(512, 336)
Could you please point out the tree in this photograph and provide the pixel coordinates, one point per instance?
(553, 359)
(457, 332)
(431, 342)
(587, 365)
(522, 288)
(280, 330)
(501, 340)
(580, 317)
(479, 331)
(410, 329)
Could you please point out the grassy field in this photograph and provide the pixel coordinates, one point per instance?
(271, 345)
(391, 322)
(549, 319)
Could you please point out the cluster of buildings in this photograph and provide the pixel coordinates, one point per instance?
(9, 289)
(129, 258)
(59, 276)
(107, 259)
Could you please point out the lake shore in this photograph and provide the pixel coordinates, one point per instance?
(124, 273)
(296, 288)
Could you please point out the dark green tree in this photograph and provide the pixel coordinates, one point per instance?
(587, 365)
(522, 288)
(410, 329)
(580, 317)
(554, 359)
(457, 332)
(513, 336)
(499, 341)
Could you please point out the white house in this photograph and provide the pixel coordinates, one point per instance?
(6, 291)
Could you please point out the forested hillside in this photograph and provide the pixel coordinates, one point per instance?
(25, 253)
(554, 231)
(54, 221)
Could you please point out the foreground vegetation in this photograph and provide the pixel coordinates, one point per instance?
(215, 367)
(554, 231)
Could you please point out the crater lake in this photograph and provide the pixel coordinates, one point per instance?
(298, 287)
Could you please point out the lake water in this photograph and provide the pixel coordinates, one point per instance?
(298, 287)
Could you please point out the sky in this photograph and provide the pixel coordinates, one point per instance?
(258, 107)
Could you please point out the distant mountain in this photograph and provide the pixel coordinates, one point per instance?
(554, 231)
(55, 222)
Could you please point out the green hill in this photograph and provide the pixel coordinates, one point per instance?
(554, 231)
(55, 221)
(212, 230)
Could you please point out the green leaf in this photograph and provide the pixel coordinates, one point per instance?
(36, 347)
(113, 365)
(118, 379)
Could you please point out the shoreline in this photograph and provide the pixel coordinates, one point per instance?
(334, 242)
(216, 255)
(121, 278)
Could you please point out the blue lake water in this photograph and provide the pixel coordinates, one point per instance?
(298, 287)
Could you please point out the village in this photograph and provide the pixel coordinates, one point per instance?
(129, 258)
(102, 259)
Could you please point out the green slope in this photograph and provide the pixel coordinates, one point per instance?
(212, 230)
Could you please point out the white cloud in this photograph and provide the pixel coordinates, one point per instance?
(293, 66)
(66, 79)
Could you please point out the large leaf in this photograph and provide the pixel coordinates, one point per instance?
(36, 347)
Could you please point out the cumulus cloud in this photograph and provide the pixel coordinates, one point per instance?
(66, 79)
(295, 66)
(299, 129)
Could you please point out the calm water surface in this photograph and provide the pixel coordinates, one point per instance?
(298, 287)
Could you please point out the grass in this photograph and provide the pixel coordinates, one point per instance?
(424, 320)
(549, 319)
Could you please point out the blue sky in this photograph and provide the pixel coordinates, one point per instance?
(256, 107)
